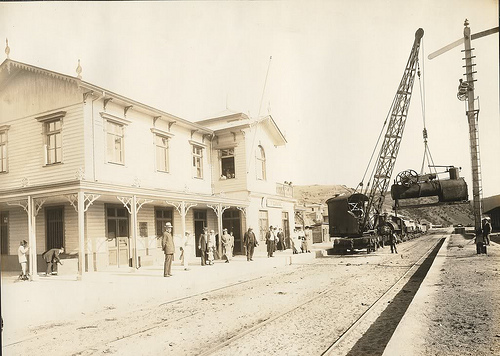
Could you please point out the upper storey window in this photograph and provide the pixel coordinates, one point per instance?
(227, 163)
(53, 141)
(52, 136)
(260, 161)
(161, 143)
(115, 137)
(197, 155)
(3, 148)
(114, 142)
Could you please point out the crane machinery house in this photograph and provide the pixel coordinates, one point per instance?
(101, 174)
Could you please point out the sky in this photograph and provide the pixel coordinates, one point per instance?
(327, 71)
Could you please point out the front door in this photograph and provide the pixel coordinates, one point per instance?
(286, 228)
(54, 227)
(117, 234)
(232, 222)
(200, 221)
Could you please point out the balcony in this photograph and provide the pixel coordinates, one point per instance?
(284, 190)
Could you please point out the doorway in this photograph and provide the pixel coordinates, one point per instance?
(232, 222)
(54, 227)
(117, 235)
(200, 221)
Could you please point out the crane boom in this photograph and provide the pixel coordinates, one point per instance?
(392, 140)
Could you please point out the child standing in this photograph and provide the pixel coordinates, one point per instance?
(21, 255)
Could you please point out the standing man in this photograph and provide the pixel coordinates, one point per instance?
(167, 244)
(250, 242)
(392, 242)
(480, 243)
(21, 255)
(270, 241)
(202, 245)
(51, 257)
(486, 231)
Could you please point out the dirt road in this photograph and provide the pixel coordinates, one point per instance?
(282, 311)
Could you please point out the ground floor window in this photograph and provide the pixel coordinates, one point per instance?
(162, 216)
(263, 224)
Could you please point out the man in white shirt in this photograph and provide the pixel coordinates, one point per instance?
(21, 255)
(270, 241)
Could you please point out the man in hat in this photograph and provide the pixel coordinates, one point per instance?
(202, 245)
(486, 230)
(270, 241)
(168, 247)
(250, 242)
(51, 257)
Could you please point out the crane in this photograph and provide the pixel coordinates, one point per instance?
(392, 139)
(466, 93)
(351, 216)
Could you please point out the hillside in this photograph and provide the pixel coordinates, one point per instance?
(449, 214)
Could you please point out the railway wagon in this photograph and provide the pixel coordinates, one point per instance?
(346, 213)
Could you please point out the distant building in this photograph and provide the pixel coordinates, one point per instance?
(314, 216)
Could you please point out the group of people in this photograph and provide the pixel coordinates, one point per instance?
(301, 241)
(275, 240)
(51, 257)
(207, 244)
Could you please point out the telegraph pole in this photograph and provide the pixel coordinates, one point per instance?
(466, 93)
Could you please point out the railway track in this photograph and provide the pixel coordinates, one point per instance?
(104, 342)
(332, 348)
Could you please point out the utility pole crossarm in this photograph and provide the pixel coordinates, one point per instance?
(460, 41)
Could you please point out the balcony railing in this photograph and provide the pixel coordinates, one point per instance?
(284, 190)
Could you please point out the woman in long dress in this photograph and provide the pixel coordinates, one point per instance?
(211, 247)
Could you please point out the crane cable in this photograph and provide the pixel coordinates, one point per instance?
(421, 82)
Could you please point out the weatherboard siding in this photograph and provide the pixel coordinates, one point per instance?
(255, 137)
(139, 167)
(26, 165)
